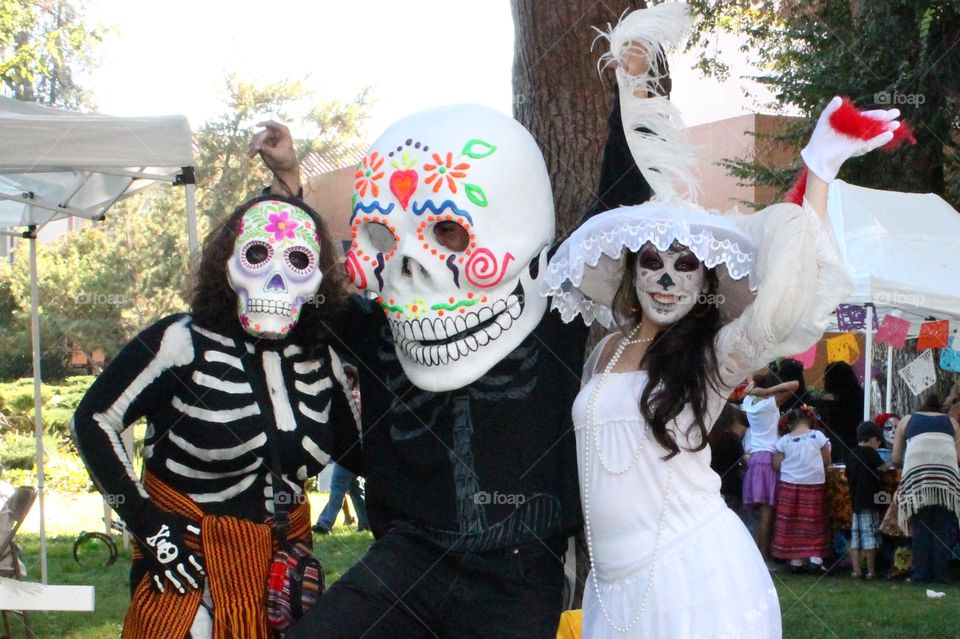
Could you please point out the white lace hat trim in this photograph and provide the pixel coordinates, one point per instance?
(584, 273)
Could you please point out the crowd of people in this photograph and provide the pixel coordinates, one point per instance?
(773, 450)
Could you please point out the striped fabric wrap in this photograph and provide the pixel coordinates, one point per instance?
(930, 476)
(237, 554)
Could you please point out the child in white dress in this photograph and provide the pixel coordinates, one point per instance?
(801, 531)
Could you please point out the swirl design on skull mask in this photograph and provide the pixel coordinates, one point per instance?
(482, 269)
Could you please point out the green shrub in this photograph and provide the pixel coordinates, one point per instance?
(62, 468)
(17, 451)
(56, 421)
(19, 396)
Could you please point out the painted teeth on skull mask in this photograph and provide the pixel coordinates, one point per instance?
(438, 341)
(514, 307)
(274, 307)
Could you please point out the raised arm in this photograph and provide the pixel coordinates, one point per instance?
(801, 280)
(274, 145)
(801, 275)
(785, 387)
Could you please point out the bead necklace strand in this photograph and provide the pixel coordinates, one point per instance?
(592, 403)
(588, 529)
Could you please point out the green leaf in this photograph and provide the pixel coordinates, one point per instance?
(475, 194)
(477, 149)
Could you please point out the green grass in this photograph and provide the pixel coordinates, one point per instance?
(832, 607)
(841, 607)
(337, 552)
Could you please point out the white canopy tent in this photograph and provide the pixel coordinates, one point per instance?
(55, 164)
(903, 252)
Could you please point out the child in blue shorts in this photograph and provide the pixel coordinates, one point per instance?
(867, 502)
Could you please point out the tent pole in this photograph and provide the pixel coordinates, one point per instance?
(888, 400)
(194, 244)
(187, 178)
(37, 400)
(868, 363)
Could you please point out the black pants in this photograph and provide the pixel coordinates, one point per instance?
(405, 587)
(933, 540)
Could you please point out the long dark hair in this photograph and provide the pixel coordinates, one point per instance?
(214, 303)
(681, 362)
(840, 380)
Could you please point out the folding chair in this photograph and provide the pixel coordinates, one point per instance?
(17, 507)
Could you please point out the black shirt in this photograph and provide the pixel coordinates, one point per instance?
(726, 449)
(863, 477)
(486, 466)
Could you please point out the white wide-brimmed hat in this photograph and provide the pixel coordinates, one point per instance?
(585, 272)
(587, 268)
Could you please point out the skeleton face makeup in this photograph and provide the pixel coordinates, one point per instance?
(890, 430)
(451, 208)
(274, 267)
(668, 282)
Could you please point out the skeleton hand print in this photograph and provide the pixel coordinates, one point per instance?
(165, 547)
(274, 267)
(451, 218)
(668, 283)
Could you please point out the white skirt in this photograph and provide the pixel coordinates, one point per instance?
(711, 583)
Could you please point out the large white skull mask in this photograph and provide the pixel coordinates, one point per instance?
(452, 214)
(274, 267)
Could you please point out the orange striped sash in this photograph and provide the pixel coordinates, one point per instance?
(237, 555)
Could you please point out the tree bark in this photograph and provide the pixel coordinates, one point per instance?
(564, 103)
(558, 94)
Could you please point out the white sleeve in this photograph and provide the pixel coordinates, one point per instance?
(822, 439)
(589, 368)
(801, 278)
(778, 446)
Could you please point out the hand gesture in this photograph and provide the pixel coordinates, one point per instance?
(169, 559)
(275, 146)
(828, 148)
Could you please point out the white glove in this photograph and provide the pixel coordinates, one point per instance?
(828, 149)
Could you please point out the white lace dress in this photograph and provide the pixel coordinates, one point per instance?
(670, 559)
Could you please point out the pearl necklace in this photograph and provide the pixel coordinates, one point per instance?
(592, 403)
(592, 438)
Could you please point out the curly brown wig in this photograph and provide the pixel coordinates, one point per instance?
(681, 362)
(214, 303)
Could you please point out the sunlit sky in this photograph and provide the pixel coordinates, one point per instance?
(172, 57)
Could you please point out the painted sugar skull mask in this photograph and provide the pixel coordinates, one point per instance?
(452, 212)
(274, 267)
(668, 283)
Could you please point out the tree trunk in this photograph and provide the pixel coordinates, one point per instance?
(559, 96)
(562, 100)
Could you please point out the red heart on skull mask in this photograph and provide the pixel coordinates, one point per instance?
(403, 184)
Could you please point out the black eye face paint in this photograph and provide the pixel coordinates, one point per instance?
(649, 259)
(687, 262)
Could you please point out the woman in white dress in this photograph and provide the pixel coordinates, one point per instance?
(668, 558)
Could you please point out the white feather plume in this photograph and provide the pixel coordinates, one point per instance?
(662, 150)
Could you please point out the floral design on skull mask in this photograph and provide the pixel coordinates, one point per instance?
(274, 267)
(668, 283)
(452, 211)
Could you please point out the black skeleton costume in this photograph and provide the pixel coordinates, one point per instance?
(206, 438)
(472, 487)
